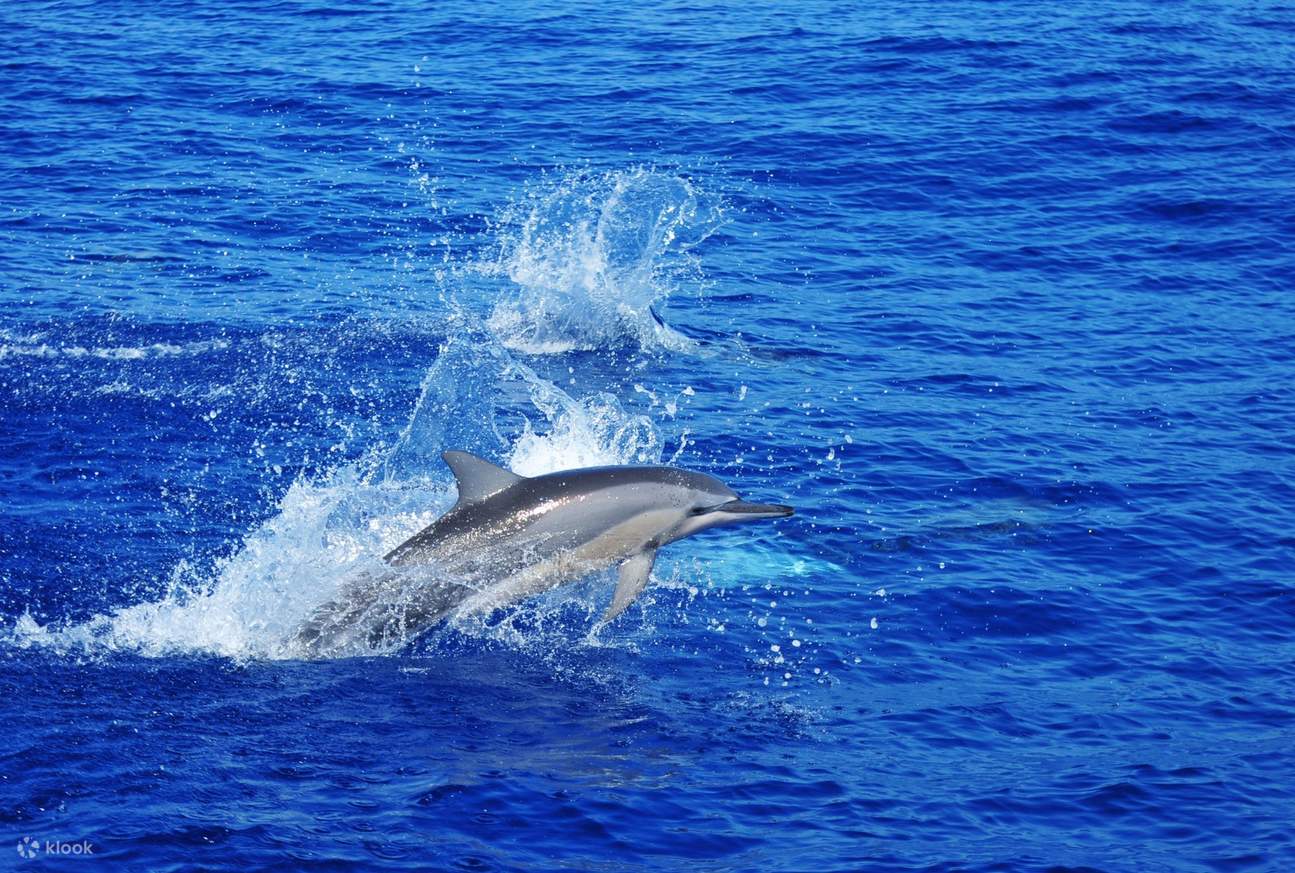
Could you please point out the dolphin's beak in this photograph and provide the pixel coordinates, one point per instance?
(753, 510)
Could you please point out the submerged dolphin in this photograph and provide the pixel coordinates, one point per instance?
(510, 537)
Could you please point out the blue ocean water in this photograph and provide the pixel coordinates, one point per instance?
(998, 295)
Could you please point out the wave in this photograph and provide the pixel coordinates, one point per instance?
(109, 353)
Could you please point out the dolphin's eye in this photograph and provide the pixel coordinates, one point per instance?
(698, 510)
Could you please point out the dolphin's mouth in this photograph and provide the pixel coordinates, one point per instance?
(754, 510)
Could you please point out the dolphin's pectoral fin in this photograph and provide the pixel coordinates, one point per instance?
(478, 478)
(633, 578)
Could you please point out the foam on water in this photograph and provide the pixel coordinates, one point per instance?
(110, 353)
(322, 533)
(591, 254)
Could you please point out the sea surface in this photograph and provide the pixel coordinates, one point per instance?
(997, 294)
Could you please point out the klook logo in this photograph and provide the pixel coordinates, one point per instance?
(30, 848)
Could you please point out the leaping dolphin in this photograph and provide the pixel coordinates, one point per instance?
(510, 537)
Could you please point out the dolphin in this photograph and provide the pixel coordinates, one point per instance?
(510, 537)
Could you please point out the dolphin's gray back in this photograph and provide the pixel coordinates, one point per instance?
(525, 524)
(552, 513)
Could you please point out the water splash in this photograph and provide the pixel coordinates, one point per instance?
(586, 259)
(477, 397)
(593, 256)
(329, 531)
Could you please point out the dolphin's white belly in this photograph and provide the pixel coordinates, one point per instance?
(603, 551)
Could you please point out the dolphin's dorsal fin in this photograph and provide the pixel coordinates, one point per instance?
(633, 578)
(478, 478)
